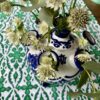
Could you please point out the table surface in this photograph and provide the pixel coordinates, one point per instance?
(17, 81)
(95, 8)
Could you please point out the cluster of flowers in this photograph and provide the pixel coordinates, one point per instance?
(51, 16)
(76, 19)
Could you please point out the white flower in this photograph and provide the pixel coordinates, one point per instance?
(45, 72)
(17, 22)
(55, 4)
(82, 42)
(6, 6)
(84, 57)
(34, 40)
(78, 18)
(43, 27)
(46, 60)
(14, 37)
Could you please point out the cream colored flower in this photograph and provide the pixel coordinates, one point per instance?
(6, 6)
(14, 36)
(55, 4)
(84, 57)
(43, 27)
(34, 40)
(46, 60)
(78, 18)
(17, 22)
(82, 42)
(45, 72)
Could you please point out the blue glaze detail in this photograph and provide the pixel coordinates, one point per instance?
(33, 60)
(63, 33)
(62, 59)
(77, 62)
(72, 75)
(61, 80)
(36, 33)
(58, 43)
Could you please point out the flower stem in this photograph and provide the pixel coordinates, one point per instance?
(44, 36)
(73, 2)
(94, 89)
(34, 15)
(64, 9)
(14, 4)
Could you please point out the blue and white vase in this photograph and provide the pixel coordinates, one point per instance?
(63, 51)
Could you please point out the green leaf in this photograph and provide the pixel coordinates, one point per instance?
(74, 94)
(92, 66)
(35, 5)
(2, 1)
(46, 14)
(93, 95)
(96, 95)
(83, 79)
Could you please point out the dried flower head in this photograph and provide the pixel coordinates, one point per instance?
(78, 18)
(82, 42)
(17, 23)
(46, 60)
(6, 6)
(84, 57)
(43, 27)
(13, 37)
(45, 72)
(55, 4)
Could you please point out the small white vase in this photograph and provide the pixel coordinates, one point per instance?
(66, 49)
(63, 51)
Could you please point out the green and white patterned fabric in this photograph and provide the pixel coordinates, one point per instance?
(17, 81)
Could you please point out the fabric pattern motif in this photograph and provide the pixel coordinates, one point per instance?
(17, 81)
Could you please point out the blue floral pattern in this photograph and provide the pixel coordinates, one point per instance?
(33, 60)
(58, 43)
(62, 59)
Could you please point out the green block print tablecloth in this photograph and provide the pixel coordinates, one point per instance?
(17, 81)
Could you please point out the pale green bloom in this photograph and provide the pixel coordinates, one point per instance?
(17, 22)
(84, 57)
(82, 42)
(6, 6)
(55, 4)
(45, 72)
(78, 18)
(46, 60)
(43, 27)
(14, 36)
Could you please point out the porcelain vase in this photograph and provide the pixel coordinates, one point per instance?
(63, 51)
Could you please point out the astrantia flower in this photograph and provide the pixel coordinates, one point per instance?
(55, 4)
(84, 57)
(82, 42)
(46, 60)
(43, 27)
(6, 6)
(13, 37)
(17, 22)
(78, 18)
(45, 72)
(34, 40)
